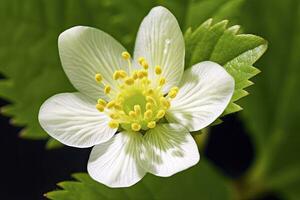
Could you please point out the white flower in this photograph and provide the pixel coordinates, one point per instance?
(137, 112)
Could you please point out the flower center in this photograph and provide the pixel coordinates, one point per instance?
(138, 103)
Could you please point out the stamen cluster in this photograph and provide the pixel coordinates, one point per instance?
(137, 104)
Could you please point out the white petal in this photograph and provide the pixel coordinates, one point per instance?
(115, 163)
(204, 93)
(170, 149)
(160, 41)
(85, 51)
(72, 119)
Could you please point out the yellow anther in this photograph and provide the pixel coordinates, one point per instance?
(158, 70)
(172, 93)
(122, 74)
(126, 55)
(111, 104)
(116, 75)
(150, 91)
(135, 75)
(132, 114)
(102, 102)
(175, 88)
(113, 124)
(146, 81)
(140, 74)
(160, 114)
(120, 98)
(150, 99)
(151, 124)
(162, 81)
(114, 115)
(145, 72)
(149, 106)
(145, 64)
(148, 114)
(165, 102)
(129, 81)
(118, 106)
(107, 89)
(100, 107)
(98, 78)
(135, 126)
(137, 109)
(141, 60)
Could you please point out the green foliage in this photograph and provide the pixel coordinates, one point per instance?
(236, 52)
(272, 112)
(199, 182)
(28, 48)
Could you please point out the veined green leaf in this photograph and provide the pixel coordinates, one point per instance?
(236, 52)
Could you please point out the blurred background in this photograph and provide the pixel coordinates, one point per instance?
(255, 152)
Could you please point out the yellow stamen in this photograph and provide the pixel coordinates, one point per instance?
(160, 114)
(145, 64)
(158, 70)
(132, 114)
(165, 102)
(135, 75)
(162, 81)
(100, 107)
(145, 73)
(98, 78)
(107, 89)
(150, 99)
(151, 124)
(113, 124)
(135, 126)
(118, 106)
(111, 104)
(149, 106)
(141, 60)
(149, 91)
(146, 81)
(140, 74)
(137, 109)
(122, 74)
(129, 81)
(126, 55)
(148, 114)
(102, 102)
(175, 88)
(172, 93)
(116, 75)
(114, 115)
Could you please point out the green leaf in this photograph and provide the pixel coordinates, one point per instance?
(236, 52)
(199, 182)
(28, 43)
(272, 112)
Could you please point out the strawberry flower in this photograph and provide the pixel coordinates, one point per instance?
(137, 111)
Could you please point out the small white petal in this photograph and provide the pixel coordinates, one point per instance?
(204, 93)
(85, 51)
(115, 163)
(72, 119)
(170, 149)
(160, 41)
